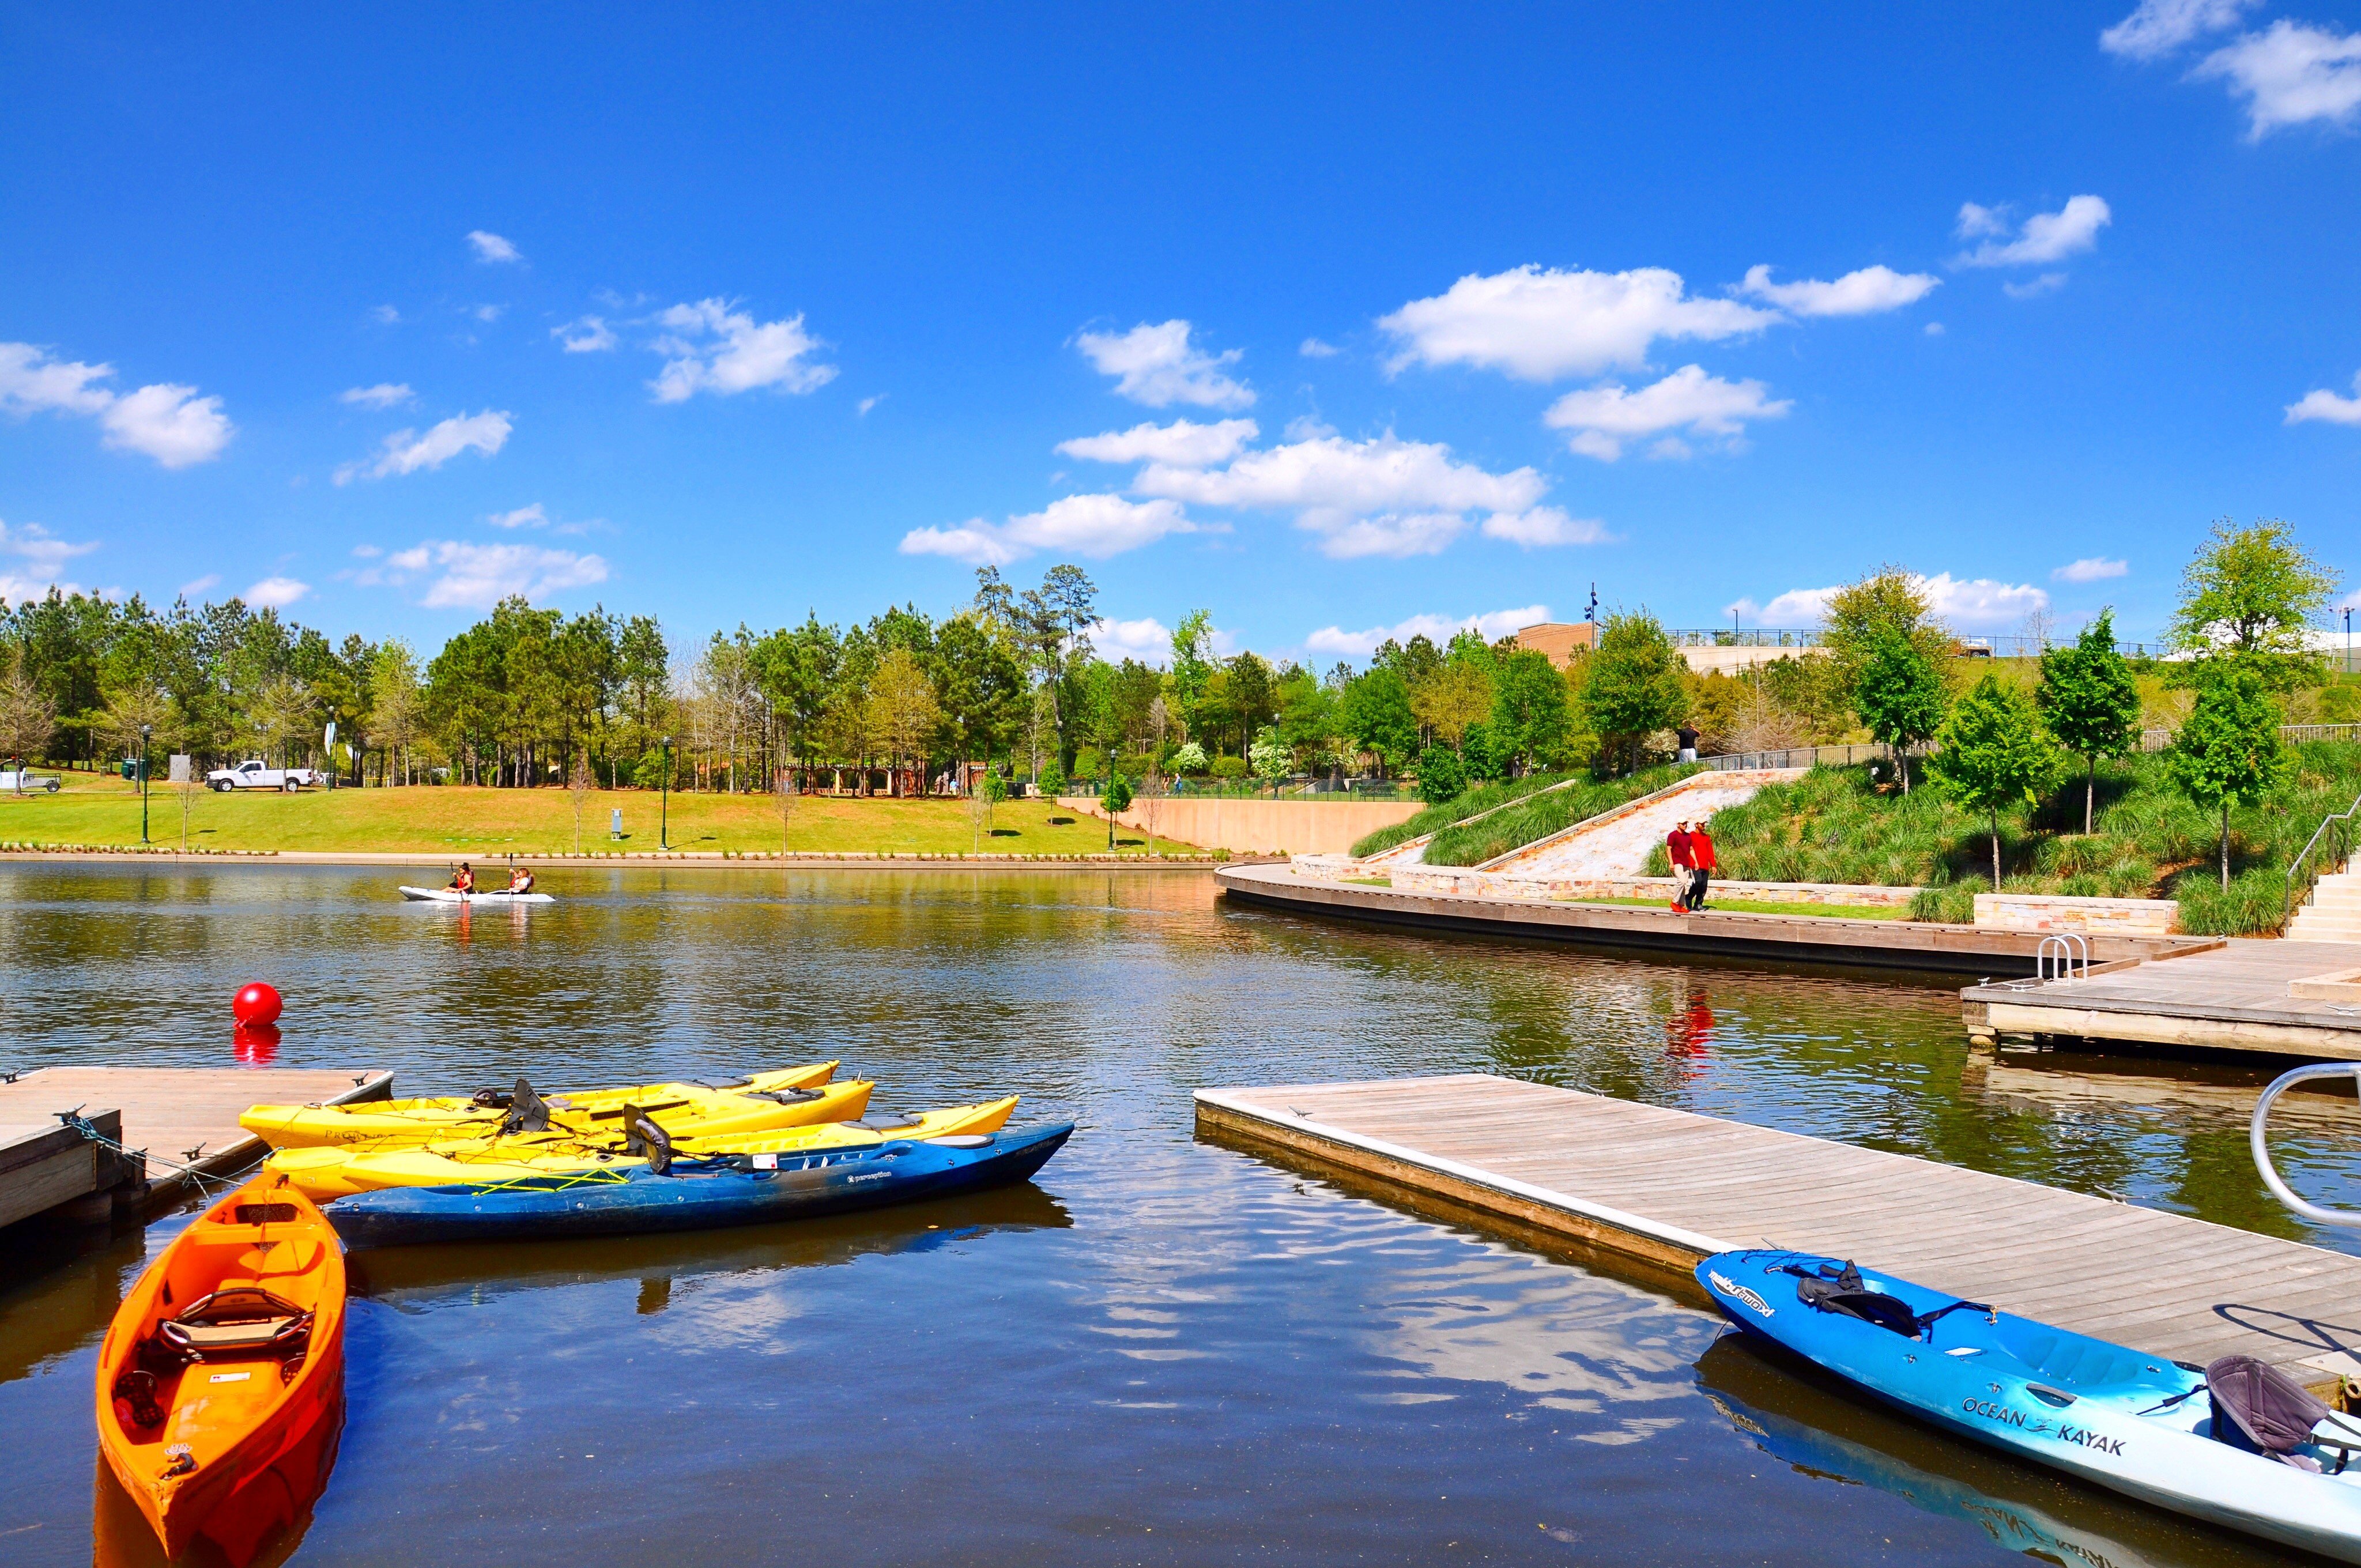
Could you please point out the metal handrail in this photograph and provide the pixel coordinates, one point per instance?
(2064, 944)
(2269, 1172)
(2340, 822)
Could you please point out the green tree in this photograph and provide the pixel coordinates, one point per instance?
(1898, 694)
(2253, 594)
(1634, 686)
(1888, 599)
(2228, 752)
(2090, 701)
(1994, 752)
(1457, 695)
(1375, 712)
(1441, 776)
(1114, 799)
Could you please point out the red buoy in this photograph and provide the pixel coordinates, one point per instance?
(257, 1003)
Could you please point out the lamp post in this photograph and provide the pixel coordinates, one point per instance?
(664, 801)
(144, 731)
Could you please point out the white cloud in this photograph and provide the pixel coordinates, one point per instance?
(1312, 349)
(172, 425)
(1180, 443)
(490, 246)
(2322, 404)
(275, 593)
(477, 576)
(1095, 526)
(1934, 329)
(1860, 293)
(2157, 28)
(197, 585)
(1540, 326)
(1972, 602)
(368, 552)
(406, 450)
(384, 395)
(385, 315)
(2090, 569)
(2289, 74)
(2046, 236)
(1605, 417)
(33, 543)
(1545, 526)
(523, 517)
(865, 404)
(1157, 366)
(713, 348)
(2034, 288)
(1491, 626)
(1307, 427)
(487, 312)
(1148, 641)
(1380, 496)
(164, 421)
(584, 335)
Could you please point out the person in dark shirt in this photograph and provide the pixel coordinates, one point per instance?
(1687, 737)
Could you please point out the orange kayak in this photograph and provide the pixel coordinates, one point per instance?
(221, 1382)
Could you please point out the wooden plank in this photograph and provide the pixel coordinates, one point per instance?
(171, 1110)
(1663, 1187)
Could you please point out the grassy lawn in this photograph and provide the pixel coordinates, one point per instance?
(487, 823)
(1748, 906)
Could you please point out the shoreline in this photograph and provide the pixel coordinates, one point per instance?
(707, 859)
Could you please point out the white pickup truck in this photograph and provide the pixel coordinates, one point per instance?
(252, 775)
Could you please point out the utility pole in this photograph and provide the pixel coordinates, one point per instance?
(145, 728)
(663, 800)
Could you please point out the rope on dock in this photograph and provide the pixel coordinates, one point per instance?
(81, 1124)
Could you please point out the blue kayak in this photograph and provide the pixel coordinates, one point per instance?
(696, 1194)
(2233, 1443)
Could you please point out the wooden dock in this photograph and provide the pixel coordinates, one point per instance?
(1924, 945)
(184, 1115)
(2234, 998)
(1662, 1188)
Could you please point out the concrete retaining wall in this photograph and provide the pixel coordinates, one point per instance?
(1256, 827)
(1466, 883)
(2053, 911)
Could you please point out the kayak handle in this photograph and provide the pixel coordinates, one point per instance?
(2270, 1174)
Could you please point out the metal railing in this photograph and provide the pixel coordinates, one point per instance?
(2065, 956)
(1799, 757)
(2329, 848)
(2261, 1150)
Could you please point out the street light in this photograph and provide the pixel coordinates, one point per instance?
(144, 731)
(664, 801)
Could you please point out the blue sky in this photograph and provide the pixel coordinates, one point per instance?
(1343, 317)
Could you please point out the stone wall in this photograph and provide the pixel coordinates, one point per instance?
(1255, 827)
(2055, 911)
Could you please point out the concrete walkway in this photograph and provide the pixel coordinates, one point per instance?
(1618, 844)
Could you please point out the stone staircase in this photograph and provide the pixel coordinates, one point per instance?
(2334, 913)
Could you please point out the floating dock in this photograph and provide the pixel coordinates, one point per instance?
(1661, 1189)
(1924, 945)
(2237, 997)
(187, 1116)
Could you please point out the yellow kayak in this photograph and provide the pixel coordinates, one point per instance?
(765, 1100)
(324, 1175)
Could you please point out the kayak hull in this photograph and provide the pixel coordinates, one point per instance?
(694, 1109)
(326, 1175)
(482, 896)
(259, 1437)
(2108, 1414)
(830, 1181)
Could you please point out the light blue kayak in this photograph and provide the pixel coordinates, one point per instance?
(2142, 1425)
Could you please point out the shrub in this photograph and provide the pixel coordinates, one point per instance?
(1227, 767)
(1539, 814)
(1456, 810)
(1441, 776)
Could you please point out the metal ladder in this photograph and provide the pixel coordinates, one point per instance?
(2262, 1153)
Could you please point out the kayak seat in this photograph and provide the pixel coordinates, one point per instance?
(2263, 1410)
(240, 1319)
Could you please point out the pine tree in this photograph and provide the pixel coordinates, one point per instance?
(1994, 752)
(2090, 701)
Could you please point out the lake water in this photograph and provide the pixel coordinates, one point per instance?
(1164, 1350)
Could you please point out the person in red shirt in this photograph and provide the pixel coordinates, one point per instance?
(1701, 864)
(1676, 847)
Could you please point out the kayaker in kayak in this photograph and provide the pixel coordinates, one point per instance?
(519, 880)
(463, 879)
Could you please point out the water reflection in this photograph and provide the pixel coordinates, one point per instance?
(1788, 1412)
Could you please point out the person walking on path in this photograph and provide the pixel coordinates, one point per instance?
(1687, 738)
(1676, 847)
(1701, 866)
